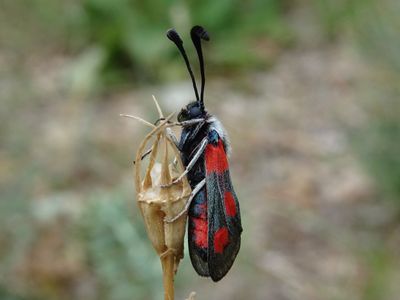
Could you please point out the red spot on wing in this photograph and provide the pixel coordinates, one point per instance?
(230, 206)
(216, 158)
(221, 239)
(200, 230)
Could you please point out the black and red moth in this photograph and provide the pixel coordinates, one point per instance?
(214, 217)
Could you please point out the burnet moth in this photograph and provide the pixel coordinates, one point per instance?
(214, 225)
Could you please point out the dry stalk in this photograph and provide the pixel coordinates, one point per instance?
(158, 204)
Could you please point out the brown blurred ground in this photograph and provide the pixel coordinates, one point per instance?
(313, 221)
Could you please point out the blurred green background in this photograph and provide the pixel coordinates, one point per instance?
(308, 90)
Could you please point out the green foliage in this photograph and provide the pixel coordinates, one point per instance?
(377, 31)
(130, 34)
(377, 142)
(7, 295)
(335, 15)
(381, 274)
(122, 260)
(378, 146)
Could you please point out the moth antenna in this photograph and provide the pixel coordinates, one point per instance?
(174, 37)
(198, 33)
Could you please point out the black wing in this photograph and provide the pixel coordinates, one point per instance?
(224, 224)
(198, 233)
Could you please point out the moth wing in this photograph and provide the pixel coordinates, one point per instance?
(198, 233)
(224, 223)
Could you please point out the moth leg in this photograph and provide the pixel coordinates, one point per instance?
(189, 139)
(172, 137)
(192, 162)
(188, 122)
(191, 122)
(196, 189)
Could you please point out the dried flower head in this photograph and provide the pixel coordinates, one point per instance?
(161, 200)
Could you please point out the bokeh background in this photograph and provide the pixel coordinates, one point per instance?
(308, 90)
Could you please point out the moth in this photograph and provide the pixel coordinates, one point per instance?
(214, 224)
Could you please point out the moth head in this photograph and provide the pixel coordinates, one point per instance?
(191, 111)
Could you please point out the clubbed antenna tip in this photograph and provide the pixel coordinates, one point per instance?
(200, 32)
(174, 36)
(176, 39)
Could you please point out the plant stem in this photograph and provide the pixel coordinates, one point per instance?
(167, 263)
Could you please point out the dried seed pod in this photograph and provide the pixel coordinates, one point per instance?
(159, 200)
